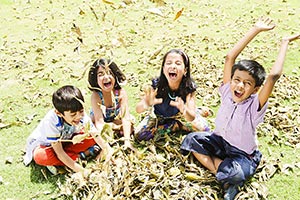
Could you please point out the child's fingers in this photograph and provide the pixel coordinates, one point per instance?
(294, 37)
(291, 38)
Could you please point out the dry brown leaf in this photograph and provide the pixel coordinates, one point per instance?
(178, 14)
(108, 2)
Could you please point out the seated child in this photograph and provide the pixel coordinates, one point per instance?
(230, 151)
(172, 96)
(50, 144)
(109, 100)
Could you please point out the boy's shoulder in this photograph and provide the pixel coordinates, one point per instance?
(51, 115)
(50, 118)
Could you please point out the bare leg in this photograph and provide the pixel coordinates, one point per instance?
(211, 163)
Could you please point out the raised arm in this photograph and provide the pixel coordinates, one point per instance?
(261, 25)
(126, 122)
(276, 70)
(98, 115)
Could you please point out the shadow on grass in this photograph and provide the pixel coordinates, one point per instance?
(40, 174)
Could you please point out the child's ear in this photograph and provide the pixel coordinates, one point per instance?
(58, 113)
(256, 89)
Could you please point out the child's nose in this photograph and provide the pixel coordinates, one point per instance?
(241, 84)
(106, 75)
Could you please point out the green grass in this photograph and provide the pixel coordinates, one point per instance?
(37, 56)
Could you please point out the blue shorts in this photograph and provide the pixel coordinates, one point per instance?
(237, 165)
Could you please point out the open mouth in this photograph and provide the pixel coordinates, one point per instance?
(172, 75)
(107, 85)
(238, 94)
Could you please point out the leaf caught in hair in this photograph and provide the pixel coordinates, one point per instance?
(178, 14)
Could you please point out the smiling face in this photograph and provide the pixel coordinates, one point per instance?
(242, 85)
(105, 79)
(174, 69)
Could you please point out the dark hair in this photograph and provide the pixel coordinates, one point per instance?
(116, 72)
(254, 68)
(67, 98)
(187, 84)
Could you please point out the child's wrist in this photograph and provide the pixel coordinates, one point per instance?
(145, 106)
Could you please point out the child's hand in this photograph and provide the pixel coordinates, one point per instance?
(291, 38)
(178, 103)
(205, 112)
(106, 153)
(150, 97)
(264, 24)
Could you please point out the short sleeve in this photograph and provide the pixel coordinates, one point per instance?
(224, 89)
(258, 115)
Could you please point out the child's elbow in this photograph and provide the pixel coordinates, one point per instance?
(229, 57)
(274, 77)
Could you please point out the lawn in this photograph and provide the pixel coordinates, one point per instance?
(42, 49)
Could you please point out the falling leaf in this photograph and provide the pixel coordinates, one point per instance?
(80, 39)
(81, 12)
(156, 11)
(76, 29)
(107, 2)
(178, 14)
(160, 2)
(93, 11)
(9, 160)
(2, 125)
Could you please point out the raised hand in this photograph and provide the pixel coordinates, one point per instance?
(264, 24)
(178, 103)
(150, 97)
(291, 38)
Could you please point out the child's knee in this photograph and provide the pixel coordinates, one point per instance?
(230, 172)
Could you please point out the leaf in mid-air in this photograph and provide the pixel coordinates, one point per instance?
(178, 14)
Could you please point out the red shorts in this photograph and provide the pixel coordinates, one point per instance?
(46, 156)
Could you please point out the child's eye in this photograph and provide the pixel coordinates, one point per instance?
(248, 83)
(178, 63)
(101, 74)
